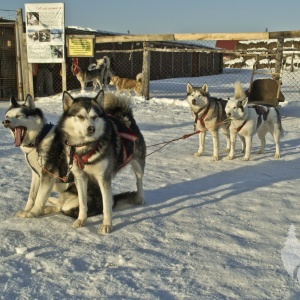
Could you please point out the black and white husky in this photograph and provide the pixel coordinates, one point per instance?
(34, 135)
(98, 137)
(209, 115)
(247, 120)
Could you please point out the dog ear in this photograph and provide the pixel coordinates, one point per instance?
(67, 101)
(29, 102)
(245, 102)
(205, 87)
(189, 88)
(14, 102)
(99, 99)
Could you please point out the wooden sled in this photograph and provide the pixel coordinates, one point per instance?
(265, 91)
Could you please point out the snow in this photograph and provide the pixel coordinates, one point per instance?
(208, 230)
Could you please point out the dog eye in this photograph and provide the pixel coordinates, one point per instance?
(80, 117)
(94, 117)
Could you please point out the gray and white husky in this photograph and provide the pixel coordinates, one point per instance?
(34, 135)
(247, 120)
(209, 115)
(97, 73)
(98, 137)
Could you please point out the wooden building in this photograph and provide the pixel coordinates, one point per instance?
(8, 55)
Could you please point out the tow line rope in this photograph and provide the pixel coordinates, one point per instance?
(184, 137)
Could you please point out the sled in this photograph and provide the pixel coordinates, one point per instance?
(265, 91)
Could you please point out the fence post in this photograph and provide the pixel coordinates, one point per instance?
(146, 71)
(19, 39)
(64, 76)
(279, 57)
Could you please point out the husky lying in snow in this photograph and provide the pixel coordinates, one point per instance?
(34, 136)
(246, 120)
(209, 115)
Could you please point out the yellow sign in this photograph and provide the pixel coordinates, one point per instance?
(81, 47)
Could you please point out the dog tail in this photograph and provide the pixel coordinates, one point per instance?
(125, 200)
(239, 93)
(139, 77)
(117, 105)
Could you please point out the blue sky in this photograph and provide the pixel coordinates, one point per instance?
(176, 16)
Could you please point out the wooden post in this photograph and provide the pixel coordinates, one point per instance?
(19, 43)
(278, 64)
(64, 76)
(146, 72)
(279, 56)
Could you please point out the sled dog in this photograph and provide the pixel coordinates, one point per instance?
(34, 135)
(85, 76)
(209, 115)
(100, 136)
(127, 85)
(104, 65)
(246, 120)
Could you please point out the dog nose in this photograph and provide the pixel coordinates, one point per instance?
(5, 123)
(229, 114)
(193, 101)
(91, 129)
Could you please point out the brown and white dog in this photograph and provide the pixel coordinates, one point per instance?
(127, 85)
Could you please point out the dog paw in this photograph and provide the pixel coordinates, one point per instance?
(78, 223)
(25, 214)
(229, 157)
(104, 229)
(214, 158)
(277, 156)
(21, 214)
(197, 154)
(246, 159)
(140, 201)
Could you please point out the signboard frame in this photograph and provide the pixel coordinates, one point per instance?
(45, 32)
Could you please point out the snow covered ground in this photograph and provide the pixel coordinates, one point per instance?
(209, 230)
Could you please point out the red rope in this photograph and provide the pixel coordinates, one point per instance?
(183, 137)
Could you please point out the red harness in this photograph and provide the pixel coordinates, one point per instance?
(201, 119)
(83, 159)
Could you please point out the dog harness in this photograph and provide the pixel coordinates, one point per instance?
(201, 118)
(45, 130)
(261, 112)
(128, 139)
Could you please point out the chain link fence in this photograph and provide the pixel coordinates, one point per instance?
(172, 66)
